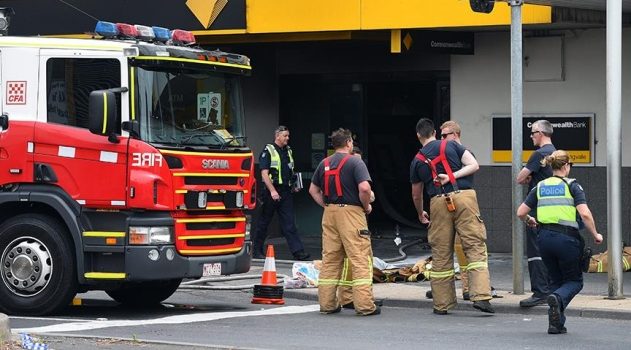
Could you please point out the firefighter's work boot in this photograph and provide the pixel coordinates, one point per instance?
(329, 312)
(350, 305)
(377, 311)
(484, 306)
(440, 312)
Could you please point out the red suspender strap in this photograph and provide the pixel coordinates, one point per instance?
(420, 156)
(335, 173)
(326, 176)
(442, 158)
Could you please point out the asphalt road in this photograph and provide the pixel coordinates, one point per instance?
(226, 319)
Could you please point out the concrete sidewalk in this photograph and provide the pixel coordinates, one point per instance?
(591, 302)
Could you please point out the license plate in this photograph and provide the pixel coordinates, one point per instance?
(213, 269)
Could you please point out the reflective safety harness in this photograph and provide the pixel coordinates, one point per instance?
(328, 172)
(555, 204)
(442, 159)
(275, 162)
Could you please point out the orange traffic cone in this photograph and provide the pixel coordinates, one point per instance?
(268, 292)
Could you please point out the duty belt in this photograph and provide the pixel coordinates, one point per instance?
(570, 231)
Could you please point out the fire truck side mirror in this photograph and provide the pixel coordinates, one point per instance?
(4, 122)
(132, 127)
(102, 114)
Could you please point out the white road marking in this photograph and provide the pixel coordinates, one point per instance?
(188, 318)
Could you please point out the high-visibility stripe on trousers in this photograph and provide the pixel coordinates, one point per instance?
(463, 262)
(340, 239)
(467, 221)
(345, 289)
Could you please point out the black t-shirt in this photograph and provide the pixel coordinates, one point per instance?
(353, 172)
(420, 171)
(265, 161)
(538, 172)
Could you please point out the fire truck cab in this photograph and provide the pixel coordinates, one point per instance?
(123, 166)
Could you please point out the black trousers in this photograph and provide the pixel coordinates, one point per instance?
(539, 279)
(285, 209)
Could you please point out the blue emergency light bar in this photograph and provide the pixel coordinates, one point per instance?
(111, 30)
(161, 34)
(106, 29)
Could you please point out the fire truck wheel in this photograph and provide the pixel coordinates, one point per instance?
(143, 294)
(38, 266)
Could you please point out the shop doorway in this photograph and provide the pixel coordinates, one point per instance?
(382, 111)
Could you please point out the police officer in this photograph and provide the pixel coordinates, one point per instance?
(557, 199)
(341, 185)
(444, 168)
(277, 172)
(531, 174)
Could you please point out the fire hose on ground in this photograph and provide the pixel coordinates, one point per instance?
(203, 283)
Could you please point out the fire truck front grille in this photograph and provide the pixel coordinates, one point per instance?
(211, 226)
(203, 180)
(210, 235)
(210, 242)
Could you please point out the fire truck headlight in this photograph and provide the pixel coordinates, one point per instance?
(160, 235)
(138, 235)
(150, 235)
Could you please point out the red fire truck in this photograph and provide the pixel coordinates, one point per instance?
(123, 166)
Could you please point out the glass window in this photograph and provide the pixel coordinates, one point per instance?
(69, 82)
(189, 104)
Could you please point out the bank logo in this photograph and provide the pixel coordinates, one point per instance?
(206, 11)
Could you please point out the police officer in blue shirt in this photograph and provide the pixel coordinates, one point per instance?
(277, 172)
(561, 209)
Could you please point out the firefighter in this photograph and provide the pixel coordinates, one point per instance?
(444, 168)
(557, 200)
(450, 131)
(345, 290)
(277, 172)
(341, 185)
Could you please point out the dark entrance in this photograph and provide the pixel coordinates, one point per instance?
(382, 110)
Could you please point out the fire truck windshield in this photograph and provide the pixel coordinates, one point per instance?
(188, 105)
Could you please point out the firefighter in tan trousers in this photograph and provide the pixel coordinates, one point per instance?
(345, 289)
(450, 131)
(444, 169)
(341, 185)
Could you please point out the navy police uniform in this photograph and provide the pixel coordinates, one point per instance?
(539, 278)
(279, 162)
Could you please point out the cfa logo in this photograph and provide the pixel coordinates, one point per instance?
(146, 159)
(215, 164)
